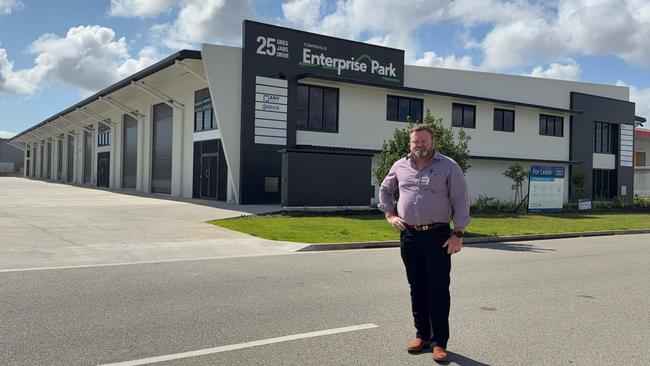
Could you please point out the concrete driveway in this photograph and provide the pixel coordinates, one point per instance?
(45, 224)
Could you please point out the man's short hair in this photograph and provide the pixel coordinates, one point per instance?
(418, 128)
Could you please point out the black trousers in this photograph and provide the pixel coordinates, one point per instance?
(428, 268)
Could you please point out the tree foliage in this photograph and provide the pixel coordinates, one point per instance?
(446, 142)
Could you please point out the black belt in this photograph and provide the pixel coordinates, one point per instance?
(434, 226)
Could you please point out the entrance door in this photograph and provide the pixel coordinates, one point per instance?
(103, 170)
(209, 175)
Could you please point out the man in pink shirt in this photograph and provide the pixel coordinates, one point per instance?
(432, 188)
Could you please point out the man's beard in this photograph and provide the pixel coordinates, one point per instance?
(422, 153)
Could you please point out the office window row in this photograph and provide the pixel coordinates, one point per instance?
(317, 108)
(551, 125)
(400, 108)
(605, 137)
(203, 112)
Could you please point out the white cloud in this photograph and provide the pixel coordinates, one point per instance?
(374, 21)
(140, 8)
(88, 58)
(8, 6)
(449, 61)
(302, 13)
(641, 99)
(528, 33)
(616, 27)
(569, 71)
(6, 134)
(205, 21)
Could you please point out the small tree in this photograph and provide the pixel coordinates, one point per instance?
(517, 174)
(397, 147)
(578, 180)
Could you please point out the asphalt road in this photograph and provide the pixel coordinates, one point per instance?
(582, 301)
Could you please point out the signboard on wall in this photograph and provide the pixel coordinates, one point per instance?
(546, 188)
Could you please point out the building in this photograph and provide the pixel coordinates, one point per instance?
(11, 158)
(641, 162)
(298, 119)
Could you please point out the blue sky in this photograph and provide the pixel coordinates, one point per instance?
(50, 58)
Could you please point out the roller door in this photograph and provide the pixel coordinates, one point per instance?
(59, 161)
(49, 160)
(161, 160)
(130, 156)
(88, 156)
(69, 176)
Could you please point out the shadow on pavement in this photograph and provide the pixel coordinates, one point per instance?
(511, 247)
(462, 360)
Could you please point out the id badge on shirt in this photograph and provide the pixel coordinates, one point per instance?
(425, 179)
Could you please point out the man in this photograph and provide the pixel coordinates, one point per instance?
(431, 187)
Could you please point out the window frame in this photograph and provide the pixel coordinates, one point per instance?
(503, 120)
(306, 127)
(556, 119)
(605, 138)
(104, 138)
(462, 115)
(200, 106)
(399, 98)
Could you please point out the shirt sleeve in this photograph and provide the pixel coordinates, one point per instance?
(387, 191)
(459, 197)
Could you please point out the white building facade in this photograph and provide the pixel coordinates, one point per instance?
(298, 119)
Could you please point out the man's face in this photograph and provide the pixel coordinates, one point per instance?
(421, 144)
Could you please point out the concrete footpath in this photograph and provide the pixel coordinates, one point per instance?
(45, 224)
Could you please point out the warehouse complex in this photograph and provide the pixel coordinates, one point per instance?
(298, 119)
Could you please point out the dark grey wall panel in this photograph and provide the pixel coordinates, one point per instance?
(161, 157)
(598, 109)
(130, 153)
(325, 179)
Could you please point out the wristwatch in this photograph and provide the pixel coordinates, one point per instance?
(459, 234)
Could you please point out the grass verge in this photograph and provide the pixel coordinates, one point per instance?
(361, 228)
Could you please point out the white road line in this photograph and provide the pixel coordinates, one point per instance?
(139, 262)
(232, 347)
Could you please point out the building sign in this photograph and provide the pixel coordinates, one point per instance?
(302, 52)
(546, 188)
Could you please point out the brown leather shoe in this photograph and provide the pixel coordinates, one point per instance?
(440, 354)
(417, 344)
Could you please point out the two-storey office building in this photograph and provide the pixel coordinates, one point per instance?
(298, 119)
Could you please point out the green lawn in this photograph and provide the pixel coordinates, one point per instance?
(360, 228)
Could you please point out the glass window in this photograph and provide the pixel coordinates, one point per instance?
(330, 109)
(400, 108)
(404, 109)
(302, 106)
(416, 110)
(551, 125)
(317, 108)
(457, 115)
(463, 115)
(203, 113)
(392, 108)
